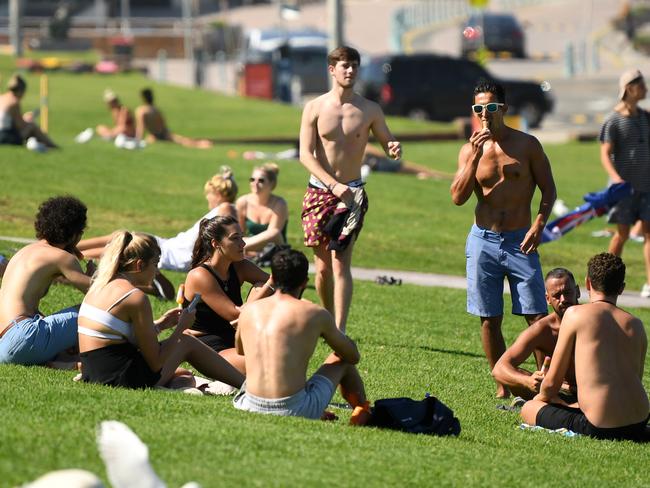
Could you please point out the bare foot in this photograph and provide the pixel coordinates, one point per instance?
(502, 392)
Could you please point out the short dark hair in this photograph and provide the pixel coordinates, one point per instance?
(606, 273)
(289, 269)
(484, 85)
(59, 219)
(343, 53)
(559, 273)
(147, 95)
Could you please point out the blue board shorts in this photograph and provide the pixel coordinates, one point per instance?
(38, 339)
(493, 256)
(310, 402)
(630, 209)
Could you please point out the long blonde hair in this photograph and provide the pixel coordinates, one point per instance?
(121, 254)
(223, 183)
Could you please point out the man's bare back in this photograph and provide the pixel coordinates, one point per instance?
(610, 387)
(149, 118)
(280, 334)
(29, 275)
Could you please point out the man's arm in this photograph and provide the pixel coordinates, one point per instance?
(543, 176)
(506, 369)
(606, 149)
(468, 159)
(308, 135)
(342, 345)
(139, 123)
(71, 270)
(564, 351)
(382, 133)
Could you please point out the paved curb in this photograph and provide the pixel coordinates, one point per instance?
(627, 299)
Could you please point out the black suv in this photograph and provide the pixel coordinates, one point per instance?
(441, 88)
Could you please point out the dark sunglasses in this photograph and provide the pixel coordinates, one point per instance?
(258, 180)
(491, 107)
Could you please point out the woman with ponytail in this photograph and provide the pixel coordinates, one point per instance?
(117, 333)
(218, 270)
(176, 252)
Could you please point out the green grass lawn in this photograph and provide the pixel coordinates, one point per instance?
(413, 340)
(427, 344)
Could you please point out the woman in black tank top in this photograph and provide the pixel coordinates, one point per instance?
(219, 268)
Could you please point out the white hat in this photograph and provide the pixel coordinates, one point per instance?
(109, 95)
(626, 78)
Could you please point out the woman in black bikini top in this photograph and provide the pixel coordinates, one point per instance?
(219, 268)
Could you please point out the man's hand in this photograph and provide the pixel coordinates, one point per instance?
(478, 139)
(535, 381)
(343, 193)
(531, 240)
(91, 267)
(394, 149)
(186, 319)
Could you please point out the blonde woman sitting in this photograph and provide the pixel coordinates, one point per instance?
(262, 215)
(118, 342)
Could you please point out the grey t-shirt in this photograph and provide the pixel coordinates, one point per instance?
(629, 137)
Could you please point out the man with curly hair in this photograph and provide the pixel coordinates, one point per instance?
(608, 347)
(26, 336)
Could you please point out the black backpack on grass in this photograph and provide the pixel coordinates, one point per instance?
(428, 416)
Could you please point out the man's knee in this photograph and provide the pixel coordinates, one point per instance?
(492, 323)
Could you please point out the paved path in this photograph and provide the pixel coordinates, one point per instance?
(628, 299)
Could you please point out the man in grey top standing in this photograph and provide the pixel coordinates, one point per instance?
(625, 155)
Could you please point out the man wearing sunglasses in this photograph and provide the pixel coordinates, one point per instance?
(625, 156)
(502, 167)
(334, 130)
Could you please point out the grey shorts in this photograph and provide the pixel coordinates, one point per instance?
(310, 402)
(630, 209)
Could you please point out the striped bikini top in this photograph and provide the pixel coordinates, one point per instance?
(124, 329)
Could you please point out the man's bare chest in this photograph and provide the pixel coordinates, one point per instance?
(343, 125)
(498, 166)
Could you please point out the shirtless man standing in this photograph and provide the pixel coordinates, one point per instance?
(277, 336)
(333, 135)
(27, 337)
(608, 346)
(540, 338)
(149, 119)
(502, 167)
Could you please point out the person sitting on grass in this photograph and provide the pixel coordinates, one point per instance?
(219, 269)
(16, 128)
(277, 336)
(26, 336)
(117, 333)
(608, 346)
(148, 118)
(540, 338)
(261, 213)
(176, 252)
(123, 122)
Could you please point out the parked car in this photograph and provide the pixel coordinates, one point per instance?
(441, 88)
(305, 49)
(496, 31)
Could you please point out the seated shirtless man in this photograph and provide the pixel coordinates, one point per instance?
(148, 118)
(277, 336)
(26, 336)
(608, 346)
(540, 338)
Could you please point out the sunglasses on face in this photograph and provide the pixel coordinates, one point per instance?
(491, 107)
(256, 180)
